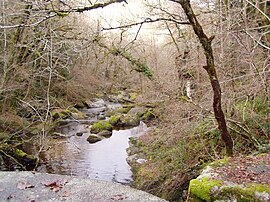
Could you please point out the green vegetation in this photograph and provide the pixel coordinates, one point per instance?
(202, 188)
(101, 126)
(249, 192)
(114, 120)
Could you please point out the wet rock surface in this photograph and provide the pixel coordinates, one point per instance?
(30, 186)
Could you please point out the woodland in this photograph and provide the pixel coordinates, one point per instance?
(202, 65)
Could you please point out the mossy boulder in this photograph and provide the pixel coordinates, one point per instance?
(105, 133)
(119, 111)
(233, 179)
(149, 114)
(202, 188)
(129, 120)
(114, 120)
(80, 105)
(19, 156)
(60, 113)
(93, 138)
(76, 114)
(101, 126)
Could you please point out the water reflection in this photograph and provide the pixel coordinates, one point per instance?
(104, 160)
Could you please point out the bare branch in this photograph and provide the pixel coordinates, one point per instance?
(94, 6)
(26, 25)
(147, 20)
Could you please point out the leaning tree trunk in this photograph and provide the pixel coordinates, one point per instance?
(210, 68)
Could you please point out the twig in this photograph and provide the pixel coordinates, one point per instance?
(147, 20)
(11, 157)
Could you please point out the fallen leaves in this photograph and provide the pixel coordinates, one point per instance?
(118, 197)
(247, 169)
(55, 185)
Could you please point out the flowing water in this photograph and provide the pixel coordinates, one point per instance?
(104, 160)
(74, 155)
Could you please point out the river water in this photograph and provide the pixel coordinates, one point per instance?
(104, 160)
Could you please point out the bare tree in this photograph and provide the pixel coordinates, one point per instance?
(210, 68)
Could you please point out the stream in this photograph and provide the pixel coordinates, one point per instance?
(104, 160)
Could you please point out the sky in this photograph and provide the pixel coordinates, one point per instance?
(125, 13)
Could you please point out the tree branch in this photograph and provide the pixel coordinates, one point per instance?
(147, 20)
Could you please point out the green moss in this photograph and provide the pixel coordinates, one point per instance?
(201, 188)
(129, 120)
(149, 114)
(60, 113)
(133, 96)
(19, 153)
(114, 120)
(101, 126)
(219, 163)
(119, 111)
(247, 193)
(133, 140)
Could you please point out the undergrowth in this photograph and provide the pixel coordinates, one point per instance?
(181, 146)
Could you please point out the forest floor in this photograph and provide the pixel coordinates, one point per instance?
(246, 169)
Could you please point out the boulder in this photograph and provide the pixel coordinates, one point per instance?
(137, 111)
(114, 120)
(129, 120)
(60, 113)
(80, 105)
(95, 104)
(78, 115)
(105, 133)
(100, 126)
(242, 178)
(93, 138)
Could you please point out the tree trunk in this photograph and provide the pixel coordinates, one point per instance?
(210, 68)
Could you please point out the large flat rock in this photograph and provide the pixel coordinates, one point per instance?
(41, 187)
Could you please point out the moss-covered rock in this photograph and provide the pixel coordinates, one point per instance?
(201, 189)
(129, 120)
(148, 115)
(206, 189)
(60, 113)
(80, 105)
(93, 138)
(119, 111)
(114, 120)
(105, 133)
(78, 115)
(18, 156)
(101, 126)
(244, 179)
